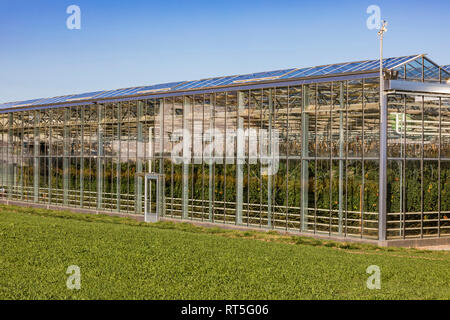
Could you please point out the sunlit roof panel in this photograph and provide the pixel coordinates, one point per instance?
(85, 96)
(412, 67)
(53, 100)
(159, 87)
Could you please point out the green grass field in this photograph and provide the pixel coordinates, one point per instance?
(120, 258)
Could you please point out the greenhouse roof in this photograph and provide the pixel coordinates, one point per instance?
(339, 69)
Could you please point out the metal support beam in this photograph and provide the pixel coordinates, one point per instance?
(50, 159)
(66, 153)
(270, 163)
(100, 158)
(186, 155)
(211, 161)
(240, 158)
(162, 182)
(20, 161)
(382, 216)
(36, 157)
(418, 88)
(82, 157)
(305, 163)
(139, 155)
(10, 160)
(341, 155)
(119, 156)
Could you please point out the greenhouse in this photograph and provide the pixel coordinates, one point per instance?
(314, 150)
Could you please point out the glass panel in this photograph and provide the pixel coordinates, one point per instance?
(323, 120)
(354, 197)
(431, 127)
(430, 197)
(445, 128)
(395, 198)
(414, 128)
(413, 198)
(354, 119)
(414, 70)
(177, 142)
(219, 154)
(371, 198)
(294, 193)
(254, 168)
(230, 162)
(323, 195)
(445, 198)
(280, 178)
(431, 71)
(294, 138)
(371, 118)
(396, 126)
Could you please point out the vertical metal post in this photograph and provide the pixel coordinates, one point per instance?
(305, 162)
(240, 145)
(139, 154)
(159, 192)
(382, 216)
(270, 163)
(36, 156)
(2, 151)
(66, 147)
(10, 158)
(341, 155)
(145, 199)
(439, 168)
(20, 161)
(119, 154)
(150, 155)
(186, 156)
(211, 158)
(421, 168)
(402, 122)
(82, 156)
(162, 208)
(49, 159)
(100, 158)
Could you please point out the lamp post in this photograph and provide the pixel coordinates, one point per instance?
(382, 215)
(381, 33)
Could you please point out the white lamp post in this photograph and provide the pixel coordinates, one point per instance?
(382, 217)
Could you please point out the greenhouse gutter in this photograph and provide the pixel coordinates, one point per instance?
(419, 88)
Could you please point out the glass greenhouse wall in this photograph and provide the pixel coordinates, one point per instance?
(418, 166)
(301, 157)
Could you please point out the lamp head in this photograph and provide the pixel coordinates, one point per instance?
(383, 28)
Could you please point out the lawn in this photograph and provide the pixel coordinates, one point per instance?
(121, 258)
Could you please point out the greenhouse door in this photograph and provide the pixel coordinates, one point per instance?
(153, 196)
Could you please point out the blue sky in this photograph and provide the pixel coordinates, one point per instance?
(134, 42)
